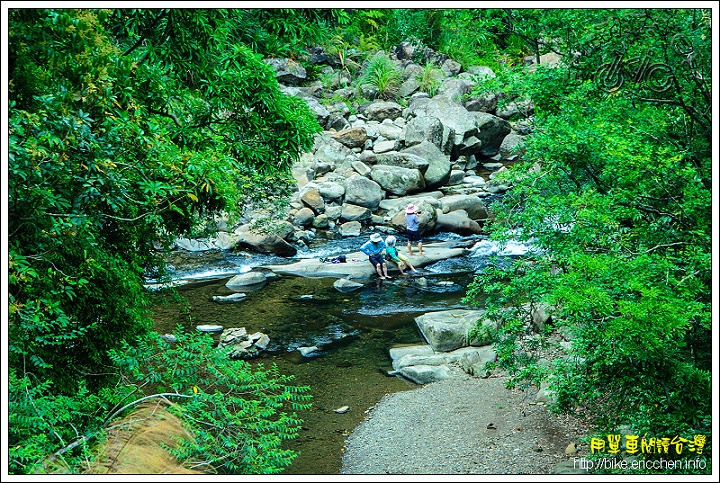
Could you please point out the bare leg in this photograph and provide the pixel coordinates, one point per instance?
(410, 248)
(420, 247)
(379, 272)
(384, 268)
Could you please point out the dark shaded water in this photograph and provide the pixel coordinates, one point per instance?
(353, 332)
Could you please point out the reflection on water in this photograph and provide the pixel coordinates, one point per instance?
(352, 331)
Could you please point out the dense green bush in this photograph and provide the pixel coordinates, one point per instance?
(125, 127)
(615, 198)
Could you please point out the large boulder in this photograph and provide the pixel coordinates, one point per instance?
(522, 108)
(362, 191)
(343, 285)
(457, 222)
(455, 89)
(263, 242)
(303, 217)
(247, 282)
(423, 128)
(397, 181)
(474, 362)
(353, 137)
(351, 228)
(312, 198)
(512, 147)
(448, 330)
(287, 71)
(439, 166)
(472, 205)
(491, 130)
(403, 160)
(381, 110)
(425, 374)
(389, 130)
(329, 150)
(451, 114)
(352, 212)
(329, 190)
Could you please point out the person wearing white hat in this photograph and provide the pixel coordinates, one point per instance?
(413, 228)
(374, 249)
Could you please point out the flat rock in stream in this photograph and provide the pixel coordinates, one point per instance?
(314, 268)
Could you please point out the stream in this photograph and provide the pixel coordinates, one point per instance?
(353, 331)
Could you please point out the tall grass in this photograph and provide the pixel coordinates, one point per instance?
(382, 73)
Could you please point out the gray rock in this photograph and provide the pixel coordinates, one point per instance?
(328, 150)
(396, 180)
(224, 299)
(209, 328)
(242, 345)
(512, 147)
(423, 128)
(303, 217)
(380, 110)
(438, 171)
(457, 222)
(265, 242)
(321, 221)
(352, 138)
(351, 228)
(287, 71)
(309, 351)
(448, 330)
(491, 130)
(384, 147)
(473, 362)
(194, 245)
(480, 72)
(456, 177)
(361, 168)
(313, 199)
(246, 282)
(472, 205)
(352, 212)
(362, 191)
(343, 285)
(403, 160)
(423, 374)
(454, 89)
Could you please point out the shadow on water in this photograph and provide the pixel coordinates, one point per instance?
(353, 333)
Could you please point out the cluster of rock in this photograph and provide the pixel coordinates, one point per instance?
(454, 349)
(450, 350)
(440, 153)
(243, 345)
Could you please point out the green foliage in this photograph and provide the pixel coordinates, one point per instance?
(420, 26)
(239, 415)
(285, 32)
(615, 198)
(125, 127)
(431, 79)
(381, 72)
(41, 422)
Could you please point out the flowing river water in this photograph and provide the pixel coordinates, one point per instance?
(353, 331)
